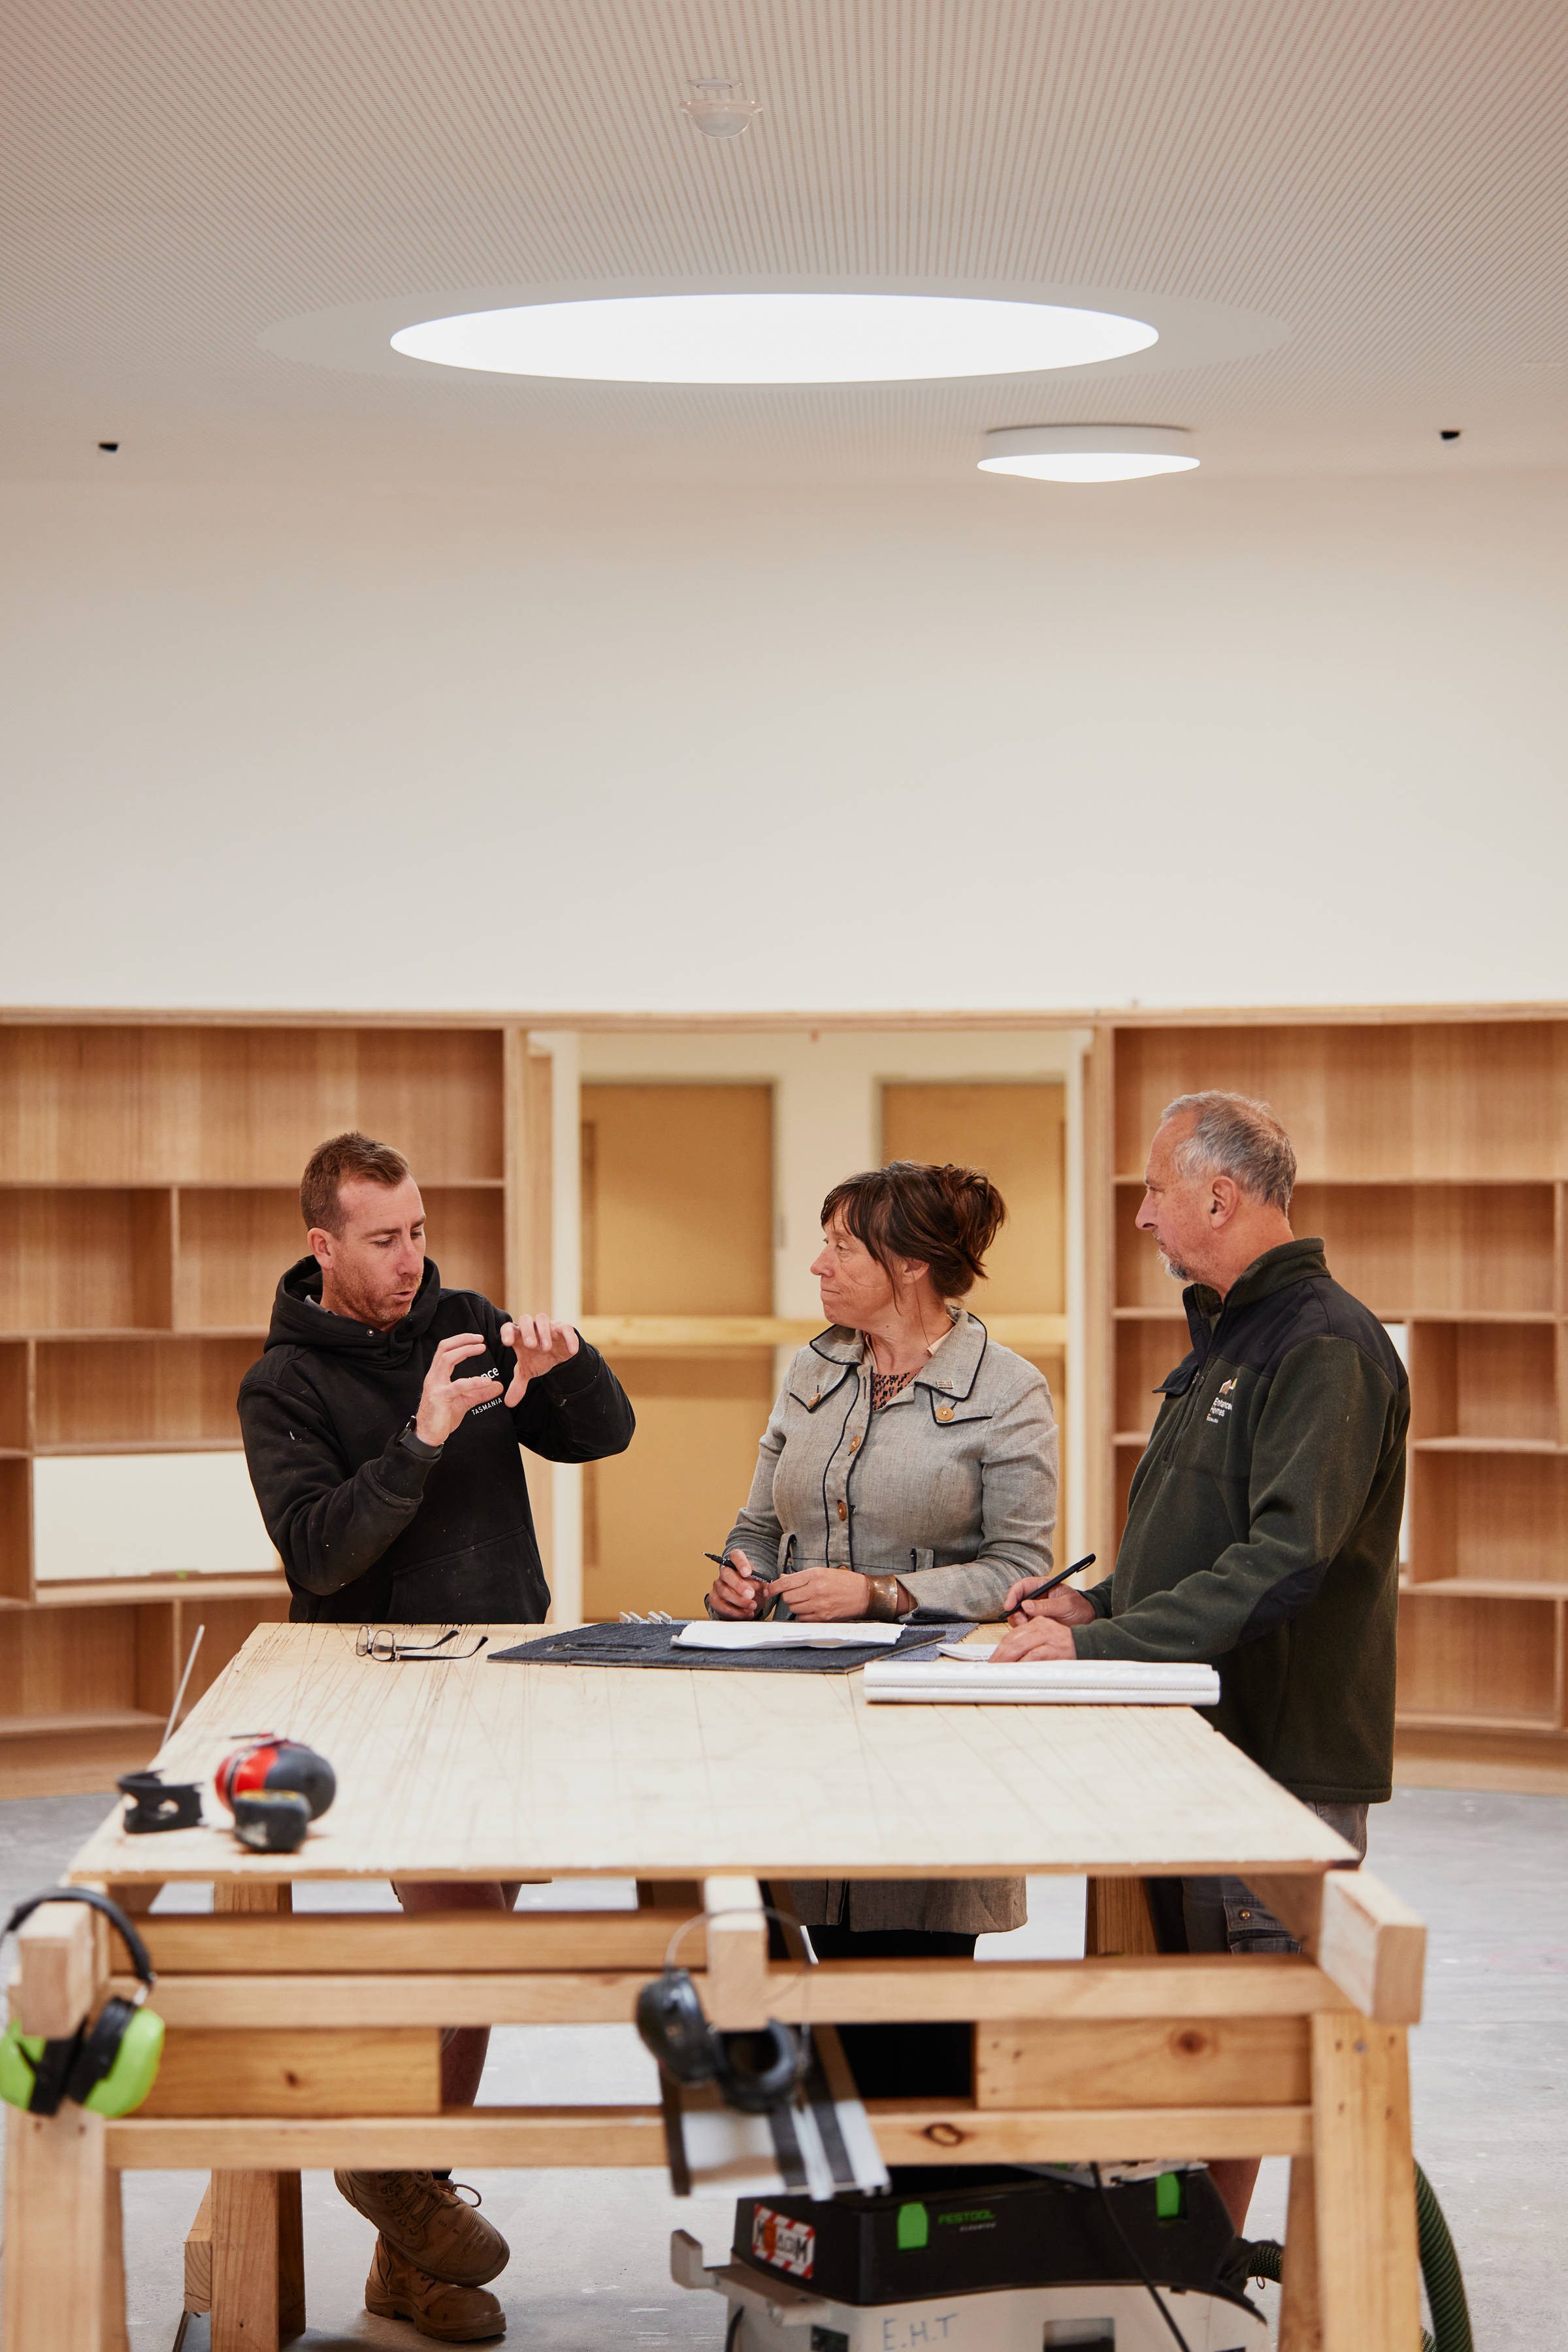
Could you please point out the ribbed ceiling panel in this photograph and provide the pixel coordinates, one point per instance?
(1388, 178)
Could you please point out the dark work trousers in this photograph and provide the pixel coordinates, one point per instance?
(1224, 1915)
(906, 2061)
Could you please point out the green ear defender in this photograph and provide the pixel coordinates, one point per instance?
(110, 2063)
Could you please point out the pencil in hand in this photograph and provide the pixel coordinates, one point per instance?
(1038, 1591)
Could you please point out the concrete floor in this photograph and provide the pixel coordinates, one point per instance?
(590, 2266)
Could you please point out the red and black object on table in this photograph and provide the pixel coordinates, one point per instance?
(267, 1764)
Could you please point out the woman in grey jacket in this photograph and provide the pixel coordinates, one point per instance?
(909, 1459)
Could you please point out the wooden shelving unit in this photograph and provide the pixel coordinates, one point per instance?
(1434, 1155)
(148, 1175)
(148, 1169)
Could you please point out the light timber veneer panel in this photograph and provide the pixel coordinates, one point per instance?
(1382, 1100)
(229, 1105)
(677, 1193)
(656, 1775)
(1404, 1249)
(1489, 1662)
(1483, 1383)
(1491, 1516)
(91, 1261)
(139, 1391)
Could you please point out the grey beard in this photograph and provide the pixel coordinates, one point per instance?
(1177, 1272)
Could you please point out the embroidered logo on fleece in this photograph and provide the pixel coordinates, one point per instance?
(484, 1372)
(1223, 1398)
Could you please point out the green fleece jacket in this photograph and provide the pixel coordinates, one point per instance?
(1263, 1526)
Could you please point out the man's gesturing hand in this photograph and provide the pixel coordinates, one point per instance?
(443, 1401)
(539, 1345)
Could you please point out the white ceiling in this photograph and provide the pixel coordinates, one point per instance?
(1345, 213)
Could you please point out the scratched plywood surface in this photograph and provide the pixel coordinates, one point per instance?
(490, 1772)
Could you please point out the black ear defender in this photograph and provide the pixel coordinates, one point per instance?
(755, 2073)
(110, 2063)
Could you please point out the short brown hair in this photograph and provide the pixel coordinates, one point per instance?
(946, 1217)
(342, 1159)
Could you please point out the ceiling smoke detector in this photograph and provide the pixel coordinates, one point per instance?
(720, 110)
(1088, 453)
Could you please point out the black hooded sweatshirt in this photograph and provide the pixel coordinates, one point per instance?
(372, 1531)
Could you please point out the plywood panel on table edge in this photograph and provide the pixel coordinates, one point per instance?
(557, 1772)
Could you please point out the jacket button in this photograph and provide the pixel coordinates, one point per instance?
(944, 1412)
(844, 1510)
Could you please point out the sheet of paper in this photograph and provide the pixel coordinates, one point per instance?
(773, 1633)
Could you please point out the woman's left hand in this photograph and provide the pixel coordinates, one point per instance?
(824, 1595)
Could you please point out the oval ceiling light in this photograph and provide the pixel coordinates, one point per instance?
(775, 338)
(1088, 453)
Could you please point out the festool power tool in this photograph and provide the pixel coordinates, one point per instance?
(1125, 2260)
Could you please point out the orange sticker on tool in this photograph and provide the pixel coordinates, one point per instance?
(786, 2244)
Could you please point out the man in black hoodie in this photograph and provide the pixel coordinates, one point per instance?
(382, 1430)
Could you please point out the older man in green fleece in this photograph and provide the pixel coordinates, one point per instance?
(1263, 1522)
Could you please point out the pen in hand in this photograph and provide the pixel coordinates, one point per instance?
(1038, 1591)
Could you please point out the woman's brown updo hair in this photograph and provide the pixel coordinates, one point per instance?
(945, 1217)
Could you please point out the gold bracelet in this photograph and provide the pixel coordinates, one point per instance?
(886, 1594)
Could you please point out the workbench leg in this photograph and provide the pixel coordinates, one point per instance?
(291, 2256)
(683, 1895)
(244, 2261)
(257, 2248)
(1117, 1918)
(199, 2255)
(55, 2182)
(115, 2338)
(1300, 2317)
(1368, 2267)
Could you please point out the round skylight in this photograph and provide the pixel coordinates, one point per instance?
(774, 337)
(1088, 453)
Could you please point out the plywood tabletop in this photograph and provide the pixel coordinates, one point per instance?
(479, 1771)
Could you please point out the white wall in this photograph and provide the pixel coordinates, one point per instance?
(1193, 741)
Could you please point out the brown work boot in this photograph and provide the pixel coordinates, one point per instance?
(396, 2289)
(426, 2222)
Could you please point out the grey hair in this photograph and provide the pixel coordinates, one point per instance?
(1235, 1137)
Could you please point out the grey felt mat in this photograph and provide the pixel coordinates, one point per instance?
(651, 1645)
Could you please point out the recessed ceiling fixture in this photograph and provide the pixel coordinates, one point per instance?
(774, 337)
(1088, 453)
(720, 110)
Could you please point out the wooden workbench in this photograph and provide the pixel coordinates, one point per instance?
(312, 2041)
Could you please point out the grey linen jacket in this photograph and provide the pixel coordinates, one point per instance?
(951, 1488)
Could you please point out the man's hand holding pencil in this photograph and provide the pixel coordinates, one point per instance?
(1039, 1616)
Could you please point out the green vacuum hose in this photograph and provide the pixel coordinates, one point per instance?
(1439, 2269)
